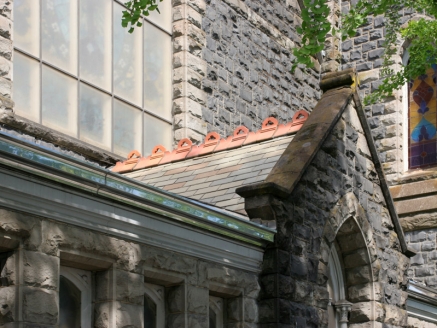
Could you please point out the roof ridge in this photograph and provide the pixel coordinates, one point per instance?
(185, 149)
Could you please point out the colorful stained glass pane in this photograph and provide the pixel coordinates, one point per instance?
(423, 120)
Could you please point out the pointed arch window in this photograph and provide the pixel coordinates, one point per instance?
(215, 312)
(74, 298)
(154, 306)
(422, 120)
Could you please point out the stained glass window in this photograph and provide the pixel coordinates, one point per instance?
(422, 125)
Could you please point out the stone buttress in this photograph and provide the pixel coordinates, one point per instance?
(328, 190)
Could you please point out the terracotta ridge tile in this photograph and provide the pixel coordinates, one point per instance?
(185, 149)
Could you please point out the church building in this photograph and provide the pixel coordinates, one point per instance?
(182, 176)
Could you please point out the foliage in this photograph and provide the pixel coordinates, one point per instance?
(135, 9)
(421, 33)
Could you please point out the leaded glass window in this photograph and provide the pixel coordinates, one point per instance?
(77, 71)
(422, 120)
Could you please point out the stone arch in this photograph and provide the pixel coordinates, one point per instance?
(349, 230)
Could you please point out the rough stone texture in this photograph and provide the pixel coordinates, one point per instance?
(417, 323)
(337, 199)
(424, 263)
(365, 52)
(119, 290)
(248, 60)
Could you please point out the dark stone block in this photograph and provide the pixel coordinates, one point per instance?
(379, 21)
(376, 34)
(361, 39)
(299, 267)
(355, 54)
(364, 67)
(376, 54)
(368, 46)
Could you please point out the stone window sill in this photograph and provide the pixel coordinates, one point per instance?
(38, 131)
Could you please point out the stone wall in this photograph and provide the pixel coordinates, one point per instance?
(424, 263)
(365, 53)
(36, 248)
(338, 200)
(248, 56)
(5, 48)
(417, 323)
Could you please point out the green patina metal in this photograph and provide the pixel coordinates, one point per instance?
(130, 192)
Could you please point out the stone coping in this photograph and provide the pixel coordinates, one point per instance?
(101, 182)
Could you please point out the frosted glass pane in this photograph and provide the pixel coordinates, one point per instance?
(95, 117)
(163, 19)
(26, 30)
(128, 59)
(69, 304)
(26, 87)
(95, 42)
(156, 132)
(127, 128)
(59, 101)
(157, 71)
(59, 33)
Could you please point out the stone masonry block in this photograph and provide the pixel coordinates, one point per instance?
(40, 306)
(129, 287)
(176, 299)
(197, 321)
(187, 59)
(102, 314)
(7, 305)
(184, 105)
(5, 27)
(360, 293)
(190, 122)
(358, 275)
(8, 274)
(40, 270)
(197, 299)
(129, 315)
(250, 310)
(233, 309)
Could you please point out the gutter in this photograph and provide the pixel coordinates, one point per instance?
(18, 155)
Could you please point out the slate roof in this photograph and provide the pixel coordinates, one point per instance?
(213, 178)
(211, 172)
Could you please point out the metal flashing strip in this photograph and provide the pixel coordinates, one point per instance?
(69, 171)
(422, 302)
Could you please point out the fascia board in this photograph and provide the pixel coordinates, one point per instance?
(73, 173)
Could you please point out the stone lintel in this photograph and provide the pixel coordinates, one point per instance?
(84, 262)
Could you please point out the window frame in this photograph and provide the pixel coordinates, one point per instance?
(144, 112)
(216, 304)
(76, 277)
(406, 124)
(157, 294)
